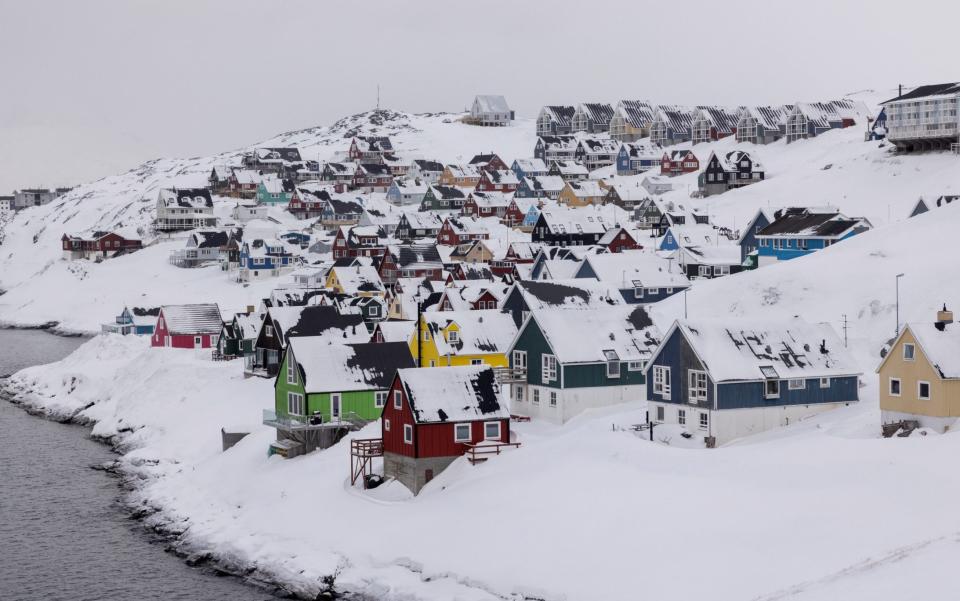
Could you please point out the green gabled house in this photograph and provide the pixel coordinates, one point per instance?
(325, 390)
(275, 191)
(568, 360)
(238, 336)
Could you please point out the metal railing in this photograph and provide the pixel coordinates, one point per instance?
(287, 421)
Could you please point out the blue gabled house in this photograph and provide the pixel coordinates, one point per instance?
(138, 321)
(263, 258)
(748, 238)
(528, 168)
(799, 231)
(301, 239)
(719, 380)
(634, 158)
(640, 277)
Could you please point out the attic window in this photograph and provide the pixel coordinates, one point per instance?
(909, 351)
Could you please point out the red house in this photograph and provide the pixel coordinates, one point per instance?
(187, 326)
(678, 162)
(617, 239)
(488, 162)
(455, 232)
(435, 415)
(100, 245)
(358, 241)
(498, 181)
(486, 204)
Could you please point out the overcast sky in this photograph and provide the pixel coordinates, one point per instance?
(95, 87)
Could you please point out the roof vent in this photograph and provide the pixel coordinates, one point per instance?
(823, 347)
(944, 318)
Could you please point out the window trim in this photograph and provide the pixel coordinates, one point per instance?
(553, 398)
(456, 434)
(704, 420)
(899, 382)
(408, 434)
(386, 424)
(291, 369)
(499, 426)
(682, 417)
(824, 382)
(613, 370)
(702, 392)
(397, 399)
(299, 398)
(929, 391)
(766, 391)
(662, 387)
(913, 351)
(791, 384)
(380, 398)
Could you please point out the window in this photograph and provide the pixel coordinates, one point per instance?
(796, 384)
(653, 291)
(553, 398)
(661, 381)
(476, 361)
(638, 293)
(380, 398)
(268, 331)
(682, 417)
(518, 393)
(613, 369)
(660, 413)
(386, 425)
(294, 403)
(408, 433)
(536, 396)
(197, 341)
(462, 433)
(548, 368)
(520, 359)
(771, 389)
(697, 386)
(923, 390)
(704, 421)
(894, 386)
(453, 336)
(374, 311)
(824, 382)
(909, 352)
(397, 399)
(426, 335)
(635, 366)
(703, 271)
(291, 369)
(491, 430)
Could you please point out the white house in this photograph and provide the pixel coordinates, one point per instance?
(490, 110)
(180, 209)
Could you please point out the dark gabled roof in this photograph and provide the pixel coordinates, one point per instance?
(562, 115)
(429, 165)
(291, 155)
(418, 253)
(186, 196)
(802, 221)
(345, 207)
(447, 192)
(317, 319)
(375, 168)
(552, 293)
(144, 311)
(598, 112)
(936, 89)
(482, 158)
(212, 239)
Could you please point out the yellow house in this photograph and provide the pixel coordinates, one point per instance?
(920, 376)
(359, 280)
(459, 175)
(583, 193)
(451, 338)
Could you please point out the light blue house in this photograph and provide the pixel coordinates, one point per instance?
(138, 321)
(720, 380)
(275, 191)
(528, 168)
(799, 231)
(263, 258)
(531, 217)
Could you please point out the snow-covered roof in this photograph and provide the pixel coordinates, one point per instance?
(318, 321)
(729, 161)
(636, 113)
(636, 269)
(733, 350)
(463, 170)
(491, 200)
(598, 112)
(586, 189)
(327, 367)
(501, 177)
(725, 253)
(193, 319)
(592, 335)
(492, 104)
(572, 293)
(248, 324)
(530, 165)
(811, 222)
(545, 183)
(480, 332)
(587, 220)
(941, 347)
(569, 168)
(396, 330)
(190, 198)
(453, 394)
(423, 220)
(559, 114)
(558, 143)
(354, 280)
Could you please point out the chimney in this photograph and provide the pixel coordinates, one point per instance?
(944, 318)
(900, 91)
(823, 347)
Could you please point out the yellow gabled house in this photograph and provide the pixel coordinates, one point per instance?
(450, 338)
(358, 280)
(920, 377)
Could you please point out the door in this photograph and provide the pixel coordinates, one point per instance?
(335, 406)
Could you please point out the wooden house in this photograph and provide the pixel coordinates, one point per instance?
(798, 231)
(920, 377)
(358, 241)
(340, 211)
(555, 148)
(244, 182)
(372, 177)
(702, 251)
(591, 117)
(239, 335)
(570, 227)
(488, 161)
(762, 124)
(618, 239)
(201, 248)
(528, 296)
(434, 416)
(138, 321)
(631, 120)
(639, 277)
(810, 119)
(410, 261)
(275, 191)
(633, 158)
(670, 125)
(261, 258)
(543, 186)
(342, 173)
(657, 184)
(723, 380)
(517, 210)
(407, 191)
(728, 171)
(425, 170)
(464, 176)
(712, 123)
(180, 209)
(626, 194)
(582, 193)
(414, 225)
(528, 167)
(451, 338)
(272, 160)
(445, 198)
(924, 118)
(369, 149)
(748, 238)
(219, 179)
(569, 170)
(497, 181)
(679, 162)
(555, 120)
(490, 111)
(323, 390)
(98, 246)
(187, 326)
(359, 280)
(595, 153)
(571, 361)
(486, 204)
(460, 230)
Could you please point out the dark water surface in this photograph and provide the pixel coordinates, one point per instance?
(63, 535)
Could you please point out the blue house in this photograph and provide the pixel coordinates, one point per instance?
(137, 321)
(799, 231)
(531, 217)
(720, 380)
(528, 168)
(300, 239)
(634, 158)
(748, 239)
(263, 258)
(639, 277)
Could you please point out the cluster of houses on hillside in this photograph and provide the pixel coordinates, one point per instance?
(30, 197)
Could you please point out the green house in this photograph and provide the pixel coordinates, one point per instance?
(275, 191)
(238, 336)
(323, 390)
(568, 360)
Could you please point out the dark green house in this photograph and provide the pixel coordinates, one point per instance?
(570, 360)
(325, 389)
(237, 337)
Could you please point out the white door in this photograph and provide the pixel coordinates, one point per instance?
(335, 405)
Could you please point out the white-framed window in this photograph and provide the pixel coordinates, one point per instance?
(894, 387)
(386, 425)
(923, 390)
(374, 311)
(771, 389)
(703, 271)
(682, 417)
(635, 365)
(408, 433)
(909, 351)
(294, 403)
(613, 369)
(824, 382)
(518, 393)
(661, 381)
(553, 398)
(638, 293)
(520, 359)
(491, 430)
(380, 398)
(397, 399)
(197, 340)
(660, 413)
(291, 369)
(548, 368)
(536, 396)
(697, 385)
(796, 384)
(704, 420)
(462, 433)
(453, 336)
(268, 331)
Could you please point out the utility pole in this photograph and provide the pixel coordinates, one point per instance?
(378, 97)
(419, 333)
(845, 330)
(896, 332)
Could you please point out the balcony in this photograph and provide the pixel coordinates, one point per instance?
(298, 423)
